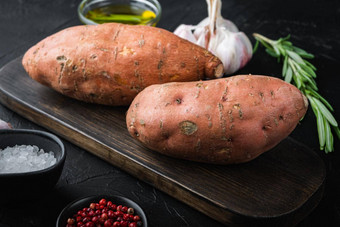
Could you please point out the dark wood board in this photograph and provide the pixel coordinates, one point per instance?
(278, 188)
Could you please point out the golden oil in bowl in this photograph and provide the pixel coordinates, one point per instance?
(135, 12)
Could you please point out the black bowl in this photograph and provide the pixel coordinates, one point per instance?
(79, 204)
(30, 185)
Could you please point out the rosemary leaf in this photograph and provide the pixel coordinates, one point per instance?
(256, 46)
(309, 65)
(337, 131)
(289, 75)
(295, 57)
(308, 79)
(272, 53)
(321, 129)
(287, 44)
(285, 66)
(329, 137)
(326, 113)
(268, 46)
(276, 50)
(319, 123)
(308, 70)
(318, 96)
(302, 53)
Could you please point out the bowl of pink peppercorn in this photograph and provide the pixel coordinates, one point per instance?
(102, 211)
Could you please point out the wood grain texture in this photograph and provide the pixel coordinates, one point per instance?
(280, 187)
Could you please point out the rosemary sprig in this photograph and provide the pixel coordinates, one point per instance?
(300, 72)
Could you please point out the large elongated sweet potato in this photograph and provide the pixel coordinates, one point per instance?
(222, 121)
(110, 63)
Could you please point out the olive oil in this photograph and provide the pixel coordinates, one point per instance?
(126, 14)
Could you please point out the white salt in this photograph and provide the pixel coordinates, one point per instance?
(25, 158)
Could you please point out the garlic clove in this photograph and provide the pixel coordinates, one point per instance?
(247, 48)
(185, 32)
(226, 24)
(234, 49)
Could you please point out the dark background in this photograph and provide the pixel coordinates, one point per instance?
(313, 25)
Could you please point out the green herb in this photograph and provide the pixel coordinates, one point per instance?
(300, 72)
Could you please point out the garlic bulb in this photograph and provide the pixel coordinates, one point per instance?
(219, 36)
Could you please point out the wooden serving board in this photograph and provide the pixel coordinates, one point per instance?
(279, 188)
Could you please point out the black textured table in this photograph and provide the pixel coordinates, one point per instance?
(313, 25)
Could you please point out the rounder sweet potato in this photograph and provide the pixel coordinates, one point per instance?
(221, 121)
(110, 63)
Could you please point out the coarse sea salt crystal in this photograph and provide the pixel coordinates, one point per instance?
(25, 158)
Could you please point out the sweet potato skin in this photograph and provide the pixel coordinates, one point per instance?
(110, 63)
(222, 121)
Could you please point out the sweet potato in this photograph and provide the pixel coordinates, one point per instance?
(110, 63)
(221, 121)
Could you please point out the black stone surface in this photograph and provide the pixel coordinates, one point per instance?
(314, 26)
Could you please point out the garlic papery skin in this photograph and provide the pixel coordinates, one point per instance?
(234, 49)
(219, 36)
(185, 31)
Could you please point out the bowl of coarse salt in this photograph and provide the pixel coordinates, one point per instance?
(31, 162)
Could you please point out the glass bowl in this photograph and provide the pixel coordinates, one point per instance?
(142, 12)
